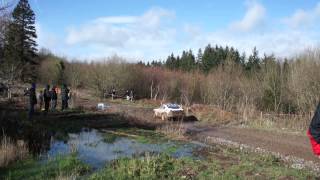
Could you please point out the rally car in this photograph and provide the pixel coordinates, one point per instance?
(169, 111)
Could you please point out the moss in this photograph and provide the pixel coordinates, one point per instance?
(171, 149)
(62, 166)
(140, 135)
(110, 138)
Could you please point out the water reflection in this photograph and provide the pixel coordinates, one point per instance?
(38, 141)
(94, 150)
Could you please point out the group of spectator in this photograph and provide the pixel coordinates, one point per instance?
(128, 95)
(49, 97)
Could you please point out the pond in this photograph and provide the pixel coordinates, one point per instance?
(98, 147)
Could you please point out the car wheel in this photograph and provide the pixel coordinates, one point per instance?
(163, 117)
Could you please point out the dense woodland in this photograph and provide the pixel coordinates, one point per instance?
(220, 76)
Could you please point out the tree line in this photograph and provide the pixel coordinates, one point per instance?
(287, 86)
(210, 58)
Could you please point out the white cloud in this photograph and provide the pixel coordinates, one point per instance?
(282, 43)
(253, 17)
(245, 35)
(46, 39)
(151, 32)
(116, 20)
(155, 34)
(303, 17)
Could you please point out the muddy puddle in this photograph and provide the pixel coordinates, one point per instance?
(98, 147)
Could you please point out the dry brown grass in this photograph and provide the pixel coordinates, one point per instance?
(12, 151)
(212, 115)
(252, 118)
(281, 121)
(173, 130)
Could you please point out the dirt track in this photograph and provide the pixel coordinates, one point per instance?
(287, 144)
(283, 143)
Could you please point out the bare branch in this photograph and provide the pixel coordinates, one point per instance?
(5, 6)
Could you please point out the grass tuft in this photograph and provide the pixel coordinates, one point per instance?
(11, 151)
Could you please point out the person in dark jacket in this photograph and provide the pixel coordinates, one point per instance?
(46, 98)
(32, 100)
(314, 132)
(54, 98)
(64, 97)
(113, 93)
(40, 100)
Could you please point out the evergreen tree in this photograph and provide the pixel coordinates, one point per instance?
(156, 63)
(171, 62)
(20, 43)
(191, 60)
(253, 61)
(212, 57)
(234, 55)
(199, 59)
(153, 63)
(140, 63)
(207, 59)
(243, 59)
(183, 60)
(178, 63)
(187, 61)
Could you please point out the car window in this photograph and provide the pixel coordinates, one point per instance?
(173, 106)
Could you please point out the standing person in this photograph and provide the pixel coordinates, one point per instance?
(54, 99)
(64, 97)
(47, 98)
(40, 99)
(314, 132)
(32, 100)
(127, 95)
(131, 95)
(113, 93)
(69, 98)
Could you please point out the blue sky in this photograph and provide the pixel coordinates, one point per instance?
(152, 29)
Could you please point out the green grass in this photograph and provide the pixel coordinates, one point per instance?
(171, 149)
(227, 164)
(110, 138)
(59, 167)
(140, 135)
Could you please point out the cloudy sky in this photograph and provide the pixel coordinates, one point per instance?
(152, 29)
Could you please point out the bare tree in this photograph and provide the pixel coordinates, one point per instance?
(7, 72)
(4, 7)
(273, 82)
(4, 17)
(304, 81)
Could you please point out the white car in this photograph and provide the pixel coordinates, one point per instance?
(167, 111)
